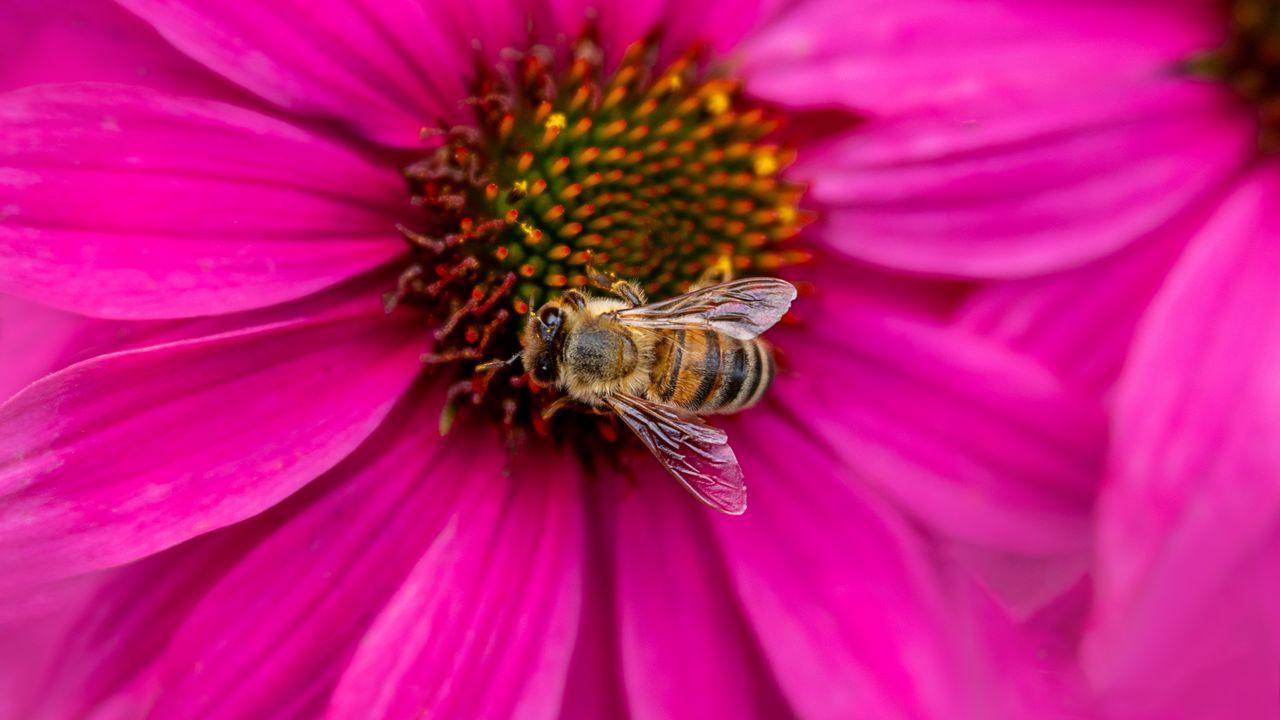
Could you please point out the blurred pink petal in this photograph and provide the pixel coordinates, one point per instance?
(682, 629)
(126, 454)
(594, 687)
(28, 649)
(978, 442)
(33, 340)
(105, 659)
(619, 26)
(1016, 193)
(882, 641)
(1192, 494)
(925, 56)
(485, 623)
(1021, 585)
(719, 24)
(126, 202)
(239, 651)
(385, 69)
(94, 40)
(1080, 323)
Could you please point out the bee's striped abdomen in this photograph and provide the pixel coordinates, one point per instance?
(706, 372)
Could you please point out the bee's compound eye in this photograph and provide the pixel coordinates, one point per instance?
(551, 316)
(544, 369)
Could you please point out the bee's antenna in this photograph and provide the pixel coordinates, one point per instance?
(495, 364)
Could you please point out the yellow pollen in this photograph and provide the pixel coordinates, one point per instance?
(765, 164)
(787, 214)
(556, 122)
(520, 186)
(724, 265)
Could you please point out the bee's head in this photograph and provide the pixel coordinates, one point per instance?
(544, 340)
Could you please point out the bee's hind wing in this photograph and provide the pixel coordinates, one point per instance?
(695, 453)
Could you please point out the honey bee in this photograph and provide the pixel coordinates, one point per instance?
(660, 366)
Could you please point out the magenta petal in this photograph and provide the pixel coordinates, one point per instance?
(126, 454)
(485, 624)
(719, 24)
(1027, 191)
(890, 58)
(33, 340)
(619, 26)
(79, 40)
(108, 656)
(37, 340)
(28, 650)
(125, 202)
(594, 687)
(271, 637)
(386, 68)
(977, 442)
(1192, 492)
(850, 614)
(686, 650)
(212, 626)
(1080, 322)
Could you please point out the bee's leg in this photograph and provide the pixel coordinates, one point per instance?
(628, 291)
(721, 272)
(566, 402)
(575, 298)
(498, 364)
(555, 407)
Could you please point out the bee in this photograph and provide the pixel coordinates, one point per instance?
(661, 366)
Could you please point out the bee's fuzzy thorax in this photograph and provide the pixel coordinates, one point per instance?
(624, 373)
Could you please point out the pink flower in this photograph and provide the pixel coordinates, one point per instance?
(1130, 229)
(223, 482)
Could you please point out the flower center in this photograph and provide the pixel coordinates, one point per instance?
(1250, 63)
(653, 175)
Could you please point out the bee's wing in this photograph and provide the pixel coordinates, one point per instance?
(695, 453)
(741, 309)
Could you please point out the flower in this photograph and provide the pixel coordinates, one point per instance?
(1127, 243)
(223, 481)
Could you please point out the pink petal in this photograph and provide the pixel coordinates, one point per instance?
(978, 443)
(851, 617)
(619, 26)
(986, 449)
(485, 624)
(125, 454)
(124, 202)
(79, 40)
(37, 340)
(27, 651)
(1080, 322)
(271, 637)
(385, 69)
(594, 687)
(686, 650)
(1192, 494)
(33, 339)
(1228, 666)
(928, 55)
(130, 621)
(1028, 191)
(719, 24)
(1020, 585)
